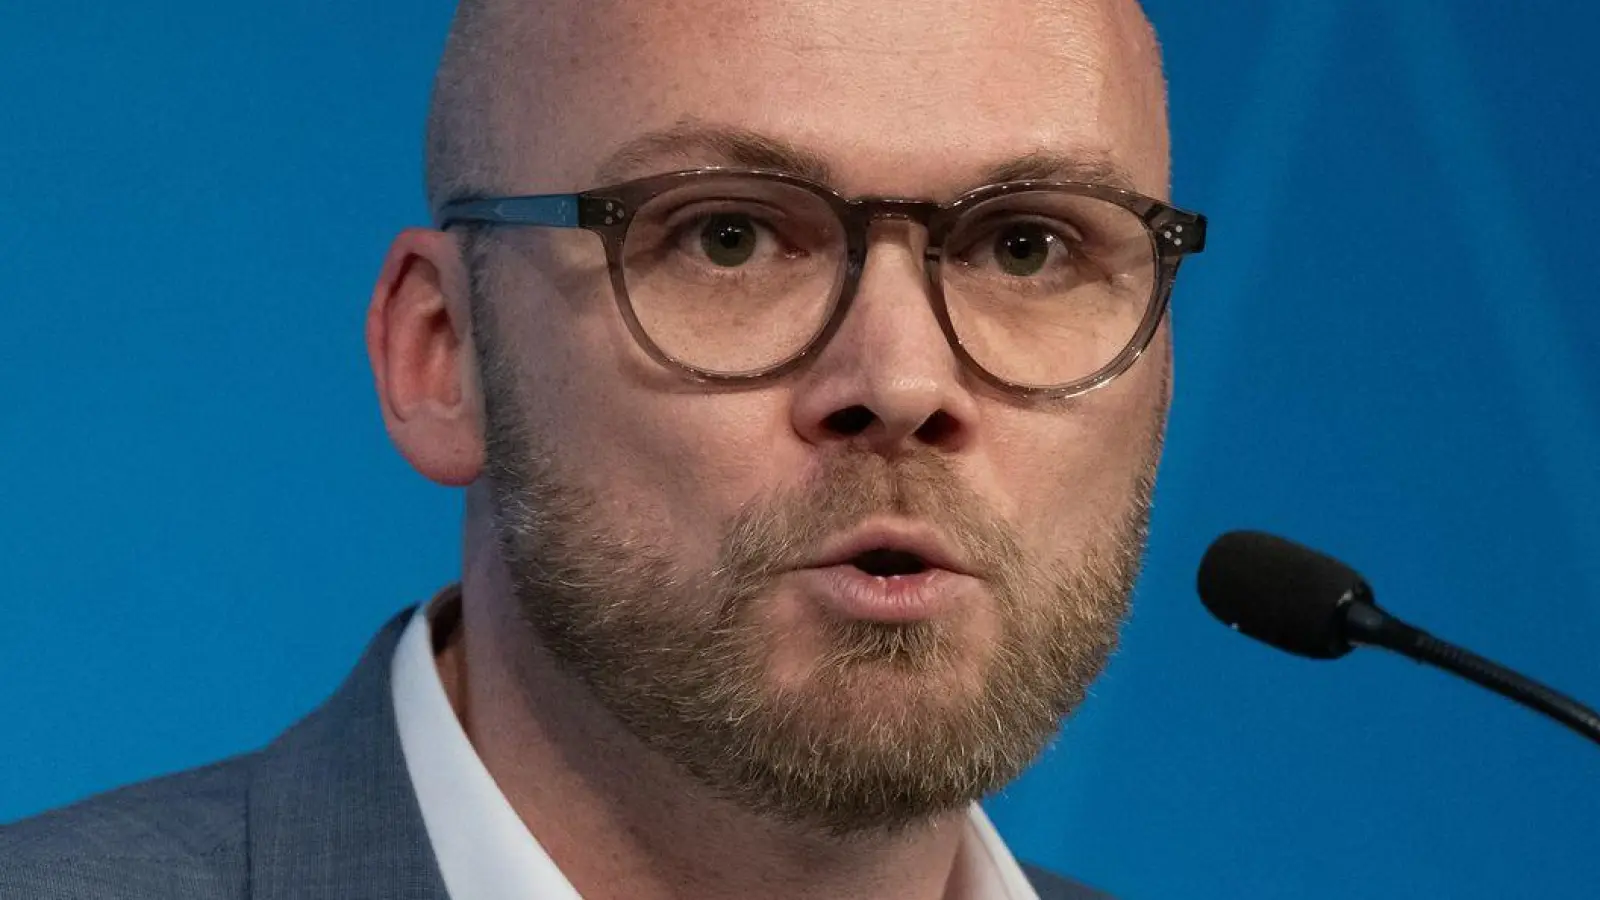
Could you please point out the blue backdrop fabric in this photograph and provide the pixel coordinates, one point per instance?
(1388, 350)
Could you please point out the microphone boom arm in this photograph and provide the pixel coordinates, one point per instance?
(1365, 623)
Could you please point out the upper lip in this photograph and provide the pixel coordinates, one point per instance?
(918, 540)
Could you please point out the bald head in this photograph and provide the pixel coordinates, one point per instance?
(531, 96)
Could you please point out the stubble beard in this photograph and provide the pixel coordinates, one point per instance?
(682, 659)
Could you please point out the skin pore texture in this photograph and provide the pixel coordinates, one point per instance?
(637, 664)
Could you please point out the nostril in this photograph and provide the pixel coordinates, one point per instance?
(850, 421)
(937, 429)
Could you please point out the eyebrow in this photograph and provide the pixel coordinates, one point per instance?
(1089, 166)
(696, 143)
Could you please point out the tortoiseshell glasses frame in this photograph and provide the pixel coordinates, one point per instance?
(610, 212)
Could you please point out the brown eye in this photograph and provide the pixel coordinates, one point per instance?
(728, 240)
(1022, 249)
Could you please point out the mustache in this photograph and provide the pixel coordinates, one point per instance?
(781, 531)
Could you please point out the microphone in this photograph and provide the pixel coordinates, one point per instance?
(1313, 605)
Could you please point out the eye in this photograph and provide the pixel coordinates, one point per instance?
(1023, 249)
(729, 240)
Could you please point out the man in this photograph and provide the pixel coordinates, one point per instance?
(797, 517)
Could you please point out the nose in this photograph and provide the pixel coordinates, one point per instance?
(888, 379)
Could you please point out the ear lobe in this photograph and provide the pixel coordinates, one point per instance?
(419, 341)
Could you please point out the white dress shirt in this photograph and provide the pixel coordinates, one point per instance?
(484, 850)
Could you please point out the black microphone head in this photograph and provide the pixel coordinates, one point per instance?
(1277, 591)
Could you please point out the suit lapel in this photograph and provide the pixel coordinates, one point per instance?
(332, 812)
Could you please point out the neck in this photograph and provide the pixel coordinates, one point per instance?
(621, 821)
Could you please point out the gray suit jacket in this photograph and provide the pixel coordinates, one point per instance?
(325, 812)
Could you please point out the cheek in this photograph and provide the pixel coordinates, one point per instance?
(668, 461)
(671, 469)
(707, 454)
(1074, 475)
(690, 463)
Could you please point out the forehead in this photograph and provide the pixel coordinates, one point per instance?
(912, 98)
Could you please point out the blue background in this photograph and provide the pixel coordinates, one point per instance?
(1389, 350)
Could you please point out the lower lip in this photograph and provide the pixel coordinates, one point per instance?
(851, 593)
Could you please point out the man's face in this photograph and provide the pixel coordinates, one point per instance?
(676, 545)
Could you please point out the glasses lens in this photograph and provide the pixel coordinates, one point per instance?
(733, 275)
(1047, 288)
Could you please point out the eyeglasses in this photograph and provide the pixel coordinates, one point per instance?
(737, 275)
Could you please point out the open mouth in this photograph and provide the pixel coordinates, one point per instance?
(887, 563)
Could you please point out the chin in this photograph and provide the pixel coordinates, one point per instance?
(875, 667)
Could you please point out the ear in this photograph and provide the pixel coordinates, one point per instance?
(419, 339)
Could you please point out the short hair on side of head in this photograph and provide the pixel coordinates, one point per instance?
(460, 145)
(1141, 40)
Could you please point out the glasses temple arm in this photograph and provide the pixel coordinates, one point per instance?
(544, 210)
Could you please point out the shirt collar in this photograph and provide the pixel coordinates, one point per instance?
(483, 849)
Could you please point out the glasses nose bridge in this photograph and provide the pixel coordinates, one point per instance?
(866, 211)
(870, 209)
(861, 213)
